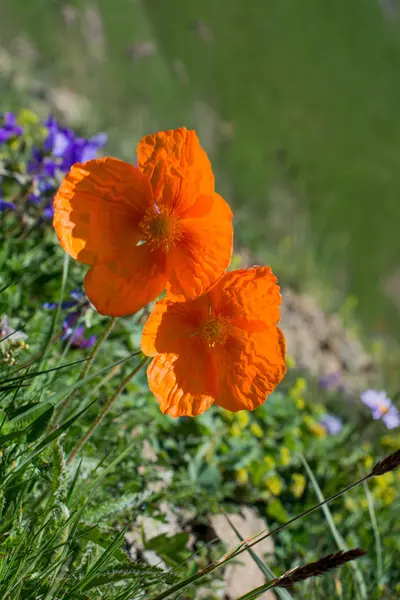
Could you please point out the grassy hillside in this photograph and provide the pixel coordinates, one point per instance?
(295, 96)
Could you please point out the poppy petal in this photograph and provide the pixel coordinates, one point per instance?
(249, 297)
(250, 366)
(203, 253)
(172, 326)
(98, 208)
(180, 152)
(122, 288)
(184, 386)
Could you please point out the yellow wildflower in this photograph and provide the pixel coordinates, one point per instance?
(242, 476)
(270, 463)
(391, 441)
(300, 403)
(290, 362)
(316, 428)
(256, 430)
(235, 430)
(243, 418)
(368, 462)
(389, 496)
(350, 504)
(274, 484)
(385, 481)
(298, 484)
(300, 385)
(285, 456)
(27, 117)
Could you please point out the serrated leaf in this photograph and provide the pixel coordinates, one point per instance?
(102, 538)
(24, 420)
(58, 479)
(115, 506)
(144, 573)
(40, 425)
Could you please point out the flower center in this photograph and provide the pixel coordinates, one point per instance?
(160, 229)
(383, 408)
(215, 331)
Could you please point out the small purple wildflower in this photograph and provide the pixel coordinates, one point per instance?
(4, 205)
(64, 145)
(9, 127)
(332, 424)
(381, 407)
(61, 149)
(71, 330)
(76, 333)
(332, 381)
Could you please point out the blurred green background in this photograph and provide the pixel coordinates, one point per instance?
(297, 102)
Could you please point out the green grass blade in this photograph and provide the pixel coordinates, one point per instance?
(264, 568)
(378, 543)
(335, 533)
(57, 313)
(257, 592)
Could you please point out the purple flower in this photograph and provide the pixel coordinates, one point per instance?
(76, 333)
(381, 407)
(332, 381)
(332, 424)
(9, 127)
(64, 145)
(61, 149)
(4, 205)
(70, 328)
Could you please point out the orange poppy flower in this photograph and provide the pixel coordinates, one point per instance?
(223, 347)
(146, 229)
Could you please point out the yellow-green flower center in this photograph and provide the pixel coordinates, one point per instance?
(160, 229)
(215, 330)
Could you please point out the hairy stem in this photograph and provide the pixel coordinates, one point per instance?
(85, 370)
(105, 410)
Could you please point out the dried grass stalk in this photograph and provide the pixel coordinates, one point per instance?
(387, 464)
(319, 567)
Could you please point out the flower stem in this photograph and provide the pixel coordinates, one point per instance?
(105, 410)
(85, 370)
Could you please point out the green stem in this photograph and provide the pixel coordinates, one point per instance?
(105, 410)
(378, 544)
(256, 593)
(85, 370)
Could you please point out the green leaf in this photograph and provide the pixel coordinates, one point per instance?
(144, 573)
(276, 510)
(58, 479)
(29, 416)
(40, 425)
(102, 538)
(47, 440)
(169, 547)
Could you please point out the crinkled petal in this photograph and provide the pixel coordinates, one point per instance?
(122, 288)
(249, 297)
(98, 209)
(173, 152)
(202, 254)
(250, 366)
(172, 326)
(183, 385)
